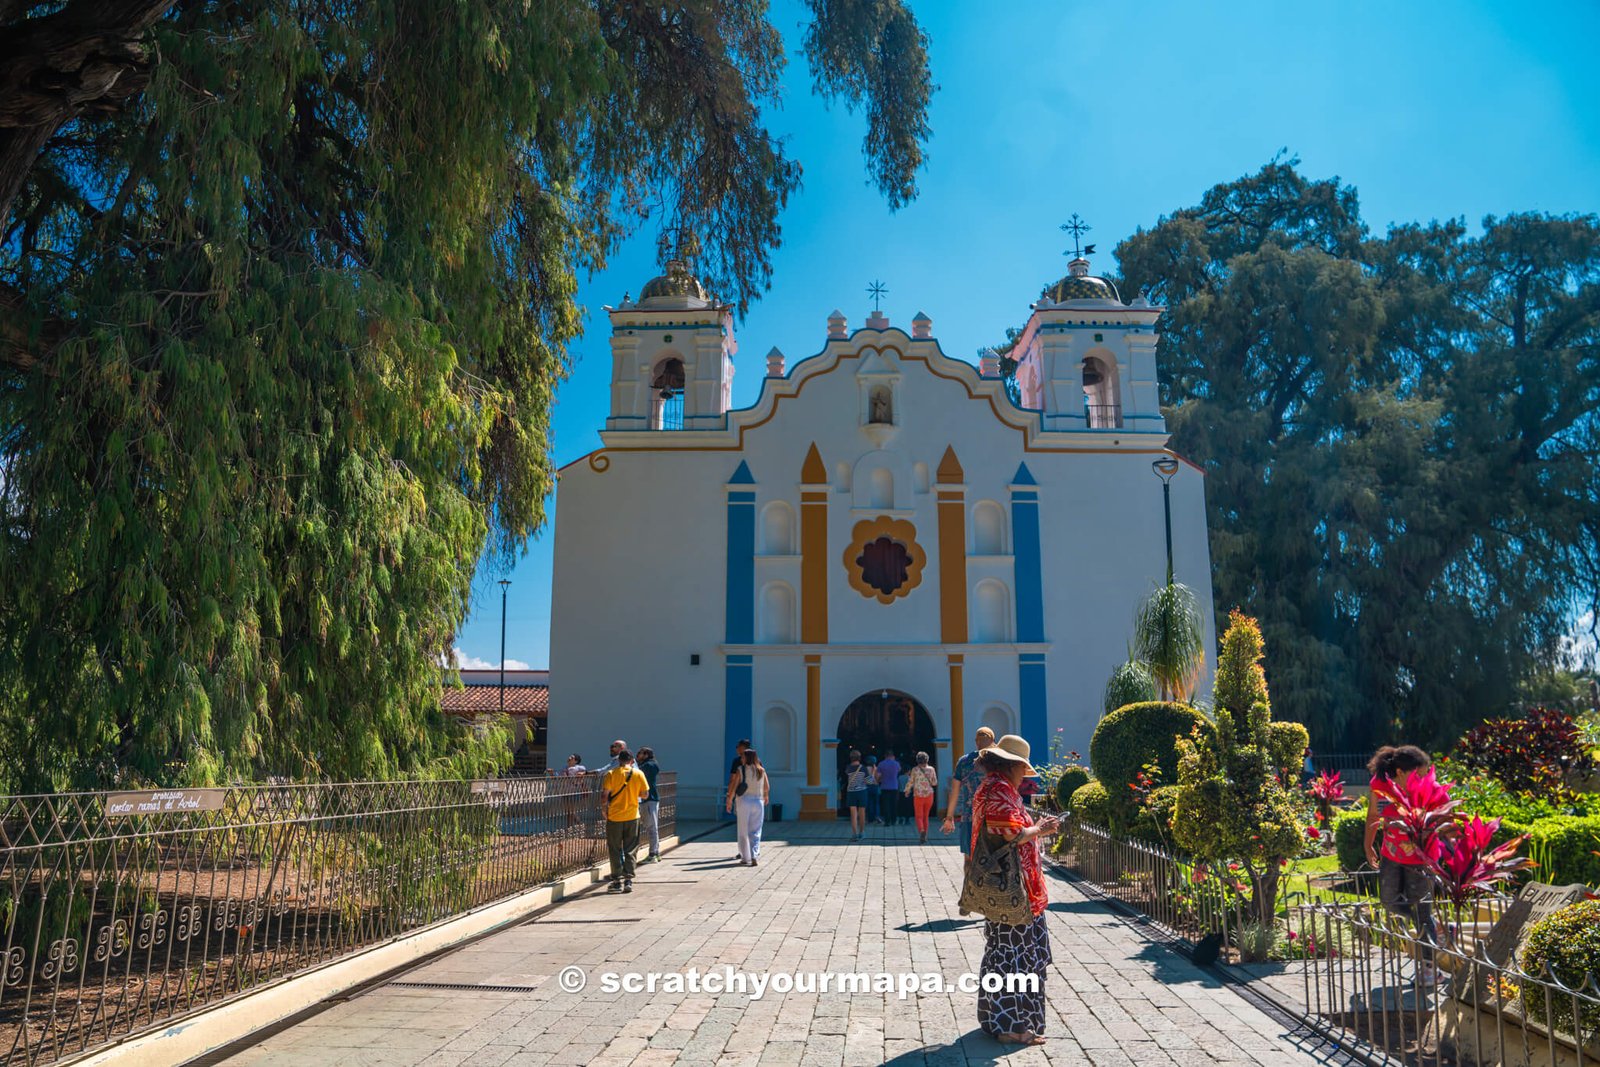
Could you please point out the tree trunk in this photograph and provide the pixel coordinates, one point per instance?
(1266, 894)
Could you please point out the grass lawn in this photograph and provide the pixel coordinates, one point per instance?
(1297, 886)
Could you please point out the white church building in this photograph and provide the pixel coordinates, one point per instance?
(884, 552)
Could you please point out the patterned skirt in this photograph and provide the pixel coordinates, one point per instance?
(1014, 950)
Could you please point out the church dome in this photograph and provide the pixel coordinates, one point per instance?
(676, 288)
(1079, 284)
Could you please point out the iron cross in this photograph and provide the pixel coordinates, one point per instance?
(1077, 228)
(876, 291)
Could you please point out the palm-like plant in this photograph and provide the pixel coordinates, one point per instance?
(1469, 867)
(1169, 639)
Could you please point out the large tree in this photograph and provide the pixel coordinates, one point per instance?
(1400, 439)
(285, 291)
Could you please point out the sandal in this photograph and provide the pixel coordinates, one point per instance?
(1025, 1037)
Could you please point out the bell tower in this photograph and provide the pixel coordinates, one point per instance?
(671, 351)
(1086, 360)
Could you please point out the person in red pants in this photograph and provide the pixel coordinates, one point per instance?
(922, 782)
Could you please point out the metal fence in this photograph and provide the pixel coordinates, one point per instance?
(1352, 766)
(1350, 971)
(123, 911)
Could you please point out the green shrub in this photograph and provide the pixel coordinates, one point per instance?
(1286, 747)
(1565, 849)
(1349, 836)
(1072, 779)
(1568, 943)
(1133, 736)
(1091, 804)
(1154, 821)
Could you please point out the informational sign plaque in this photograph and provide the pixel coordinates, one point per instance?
(1506, 938)
(163, 802)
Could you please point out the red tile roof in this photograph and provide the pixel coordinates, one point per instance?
(531, 700)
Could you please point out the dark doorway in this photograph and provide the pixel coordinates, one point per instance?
(885, 720)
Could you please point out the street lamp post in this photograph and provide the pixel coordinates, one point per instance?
(504, 583)
(1165, 468)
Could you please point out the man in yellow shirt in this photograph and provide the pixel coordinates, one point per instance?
(621, 790)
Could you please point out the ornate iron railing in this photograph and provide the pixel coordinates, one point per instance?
(123, 911)
(1350, 971)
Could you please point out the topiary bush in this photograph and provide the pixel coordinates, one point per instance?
(1349, 836)
(1072, 779)
(1565, 848)
(1154, 820)
(1091, 804)
(1568, 944)
(1286, 747)
(1135, 735)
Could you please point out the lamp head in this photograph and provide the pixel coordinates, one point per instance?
(1165, 468)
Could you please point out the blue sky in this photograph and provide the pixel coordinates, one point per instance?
(1121, 113)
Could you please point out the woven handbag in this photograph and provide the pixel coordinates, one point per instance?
(992, 885)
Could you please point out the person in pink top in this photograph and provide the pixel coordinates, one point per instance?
(1404, 886)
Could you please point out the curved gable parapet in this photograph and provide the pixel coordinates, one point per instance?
(907, 353)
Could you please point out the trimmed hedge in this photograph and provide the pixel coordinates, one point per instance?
(1564, 847)
(1135, 735)
(1286, 748)
(1567, 942)
(1349, 835)
(1091, 804)
(1072, 779)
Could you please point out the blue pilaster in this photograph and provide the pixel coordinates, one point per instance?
(1035, 711)
(739, 628)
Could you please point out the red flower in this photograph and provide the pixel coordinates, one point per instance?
(1313, 833)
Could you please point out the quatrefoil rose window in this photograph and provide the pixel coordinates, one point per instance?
(884, 561)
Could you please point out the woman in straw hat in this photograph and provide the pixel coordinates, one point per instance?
(1013, 1016)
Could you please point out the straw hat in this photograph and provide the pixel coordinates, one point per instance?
(1012, 749)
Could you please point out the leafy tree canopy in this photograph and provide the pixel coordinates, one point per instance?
(1400, 438)
(285, 292)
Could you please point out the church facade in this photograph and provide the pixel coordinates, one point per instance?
(885, 551)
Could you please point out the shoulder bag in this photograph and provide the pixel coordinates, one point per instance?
(743, 787)
(992, 883)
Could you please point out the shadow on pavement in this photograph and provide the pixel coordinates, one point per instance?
(939, 926)
(974, 1047)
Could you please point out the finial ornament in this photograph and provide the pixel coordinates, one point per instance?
(1077, 228)
(876, 290)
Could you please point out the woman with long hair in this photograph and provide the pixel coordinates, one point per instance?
(1015, 1014)
(749, 792)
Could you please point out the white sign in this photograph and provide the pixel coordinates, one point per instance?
(163, 801)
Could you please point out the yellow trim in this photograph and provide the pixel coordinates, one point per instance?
(952, 510)
(813, 720)
(813, 471)
(950, 472)
(869, 530)
(813, 552)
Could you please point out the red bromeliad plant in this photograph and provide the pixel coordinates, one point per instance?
(1459, 852)
(1472, 865)
(1326, 790)
(1420, 817)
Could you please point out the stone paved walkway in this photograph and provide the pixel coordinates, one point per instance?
(816, 903)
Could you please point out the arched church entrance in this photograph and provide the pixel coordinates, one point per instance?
(882, 721)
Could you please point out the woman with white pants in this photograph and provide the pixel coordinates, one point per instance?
(749, 790)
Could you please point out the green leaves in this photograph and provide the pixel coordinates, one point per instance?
(1169, 639)
(299, 313)
(1400, 439)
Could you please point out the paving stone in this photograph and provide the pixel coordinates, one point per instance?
(816, 904)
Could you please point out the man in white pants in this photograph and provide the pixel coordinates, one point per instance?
(749, 790)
